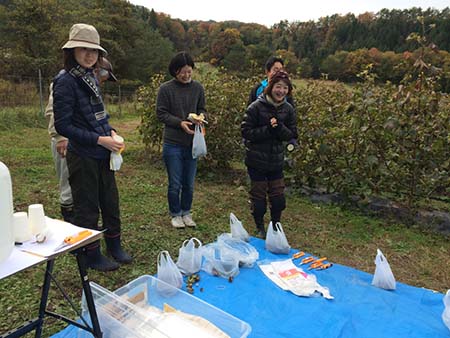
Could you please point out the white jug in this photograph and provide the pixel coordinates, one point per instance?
(6, 214)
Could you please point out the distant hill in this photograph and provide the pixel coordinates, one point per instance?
(140, 41)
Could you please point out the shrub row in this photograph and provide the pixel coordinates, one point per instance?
(374, 140)
(365, 140)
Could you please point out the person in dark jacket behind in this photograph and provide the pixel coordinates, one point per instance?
(268, 123)
(80, 116)
(273, 65)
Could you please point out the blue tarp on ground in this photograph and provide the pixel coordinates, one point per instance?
(358, 310)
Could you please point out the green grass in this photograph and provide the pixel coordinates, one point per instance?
(21, 116)
(417, 257)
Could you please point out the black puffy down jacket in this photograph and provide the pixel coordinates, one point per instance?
(265, 145)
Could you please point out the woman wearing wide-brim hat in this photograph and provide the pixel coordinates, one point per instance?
(80, 116)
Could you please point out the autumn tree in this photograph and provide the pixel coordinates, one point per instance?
(223, 42)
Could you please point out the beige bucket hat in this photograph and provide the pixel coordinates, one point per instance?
(83, 35)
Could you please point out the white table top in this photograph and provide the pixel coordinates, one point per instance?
(30, 253)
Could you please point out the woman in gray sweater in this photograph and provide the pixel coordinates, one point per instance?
(176, 99)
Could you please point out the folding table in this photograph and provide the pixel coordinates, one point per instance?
(20, 260)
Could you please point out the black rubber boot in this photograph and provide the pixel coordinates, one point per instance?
(277, 205)
(261, 232)
(96, 261)
(259, 208)
(115, 250)
(67, 213)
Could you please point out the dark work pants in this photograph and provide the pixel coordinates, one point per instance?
(94, 189)
(265, 184)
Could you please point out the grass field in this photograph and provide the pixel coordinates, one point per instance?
(416, 257)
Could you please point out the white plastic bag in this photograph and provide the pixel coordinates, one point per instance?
(190, 256)
(446, 313)
(243, 251)
(276, 241)
(198, 144)
(115, 161)
(168, 272)
(220, 261)
(237, 229)
(383, 277)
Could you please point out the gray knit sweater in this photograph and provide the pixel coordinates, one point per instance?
(174, 103)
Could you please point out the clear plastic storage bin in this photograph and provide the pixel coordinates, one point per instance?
(119, 318)
(135, 309)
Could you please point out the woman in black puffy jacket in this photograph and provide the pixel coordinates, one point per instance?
(268, 124)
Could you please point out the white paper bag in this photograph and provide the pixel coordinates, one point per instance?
(383, 277)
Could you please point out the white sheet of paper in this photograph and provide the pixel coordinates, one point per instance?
(58, 230)
(17, 261)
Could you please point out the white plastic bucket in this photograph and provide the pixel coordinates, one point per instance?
(6, 213)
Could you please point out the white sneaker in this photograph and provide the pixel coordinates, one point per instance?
(177, 222)
(188, 221)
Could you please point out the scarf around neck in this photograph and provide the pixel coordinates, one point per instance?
(271, 101)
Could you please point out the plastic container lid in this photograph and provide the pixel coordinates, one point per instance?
(148, 290)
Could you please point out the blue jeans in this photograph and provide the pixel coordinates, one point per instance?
(181, 169)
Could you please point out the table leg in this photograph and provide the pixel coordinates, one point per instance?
(81, 260)
(44, 297)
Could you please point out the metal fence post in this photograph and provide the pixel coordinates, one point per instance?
(120, 102)
(40, 92)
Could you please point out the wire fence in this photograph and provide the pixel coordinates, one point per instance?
(16, 91)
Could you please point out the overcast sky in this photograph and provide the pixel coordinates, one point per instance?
(268, 12)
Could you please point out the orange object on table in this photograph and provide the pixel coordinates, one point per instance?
(298, 254)
(319, 261)
(315, 265)
(307, 260)
(325, 266)
(69, 240)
